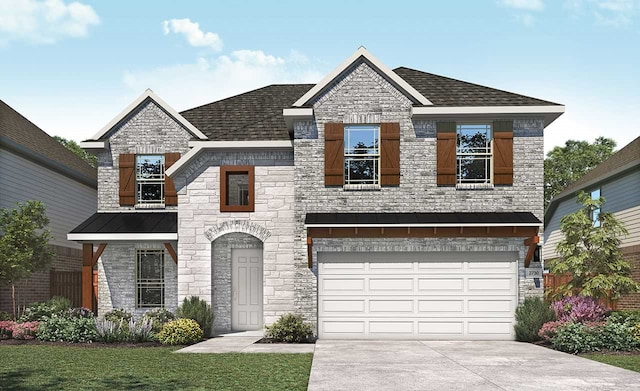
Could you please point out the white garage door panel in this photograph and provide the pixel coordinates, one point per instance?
(417, 295)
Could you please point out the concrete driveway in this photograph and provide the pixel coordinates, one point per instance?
(435, 365)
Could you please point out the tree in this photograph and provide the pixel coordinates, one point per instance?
(591, 254)
(75, 148)
(24, 243)
(565, 165)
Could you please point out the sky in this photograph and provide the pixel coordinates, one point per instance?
(71, 66)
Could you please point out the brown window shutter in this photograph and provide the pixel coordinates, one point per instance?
(127, 163)
(390, 154)
(333, 154)
(446, 153)
(170, 195)
(503, 152)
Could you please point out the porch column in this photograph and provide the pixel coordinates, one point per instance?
(87, 276)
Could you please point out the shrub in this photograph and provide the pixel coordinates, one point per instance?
(5, 316)
(578, 309)
(108, 331)
(80, 312)
(118, 314)
(290, 328)
(530, 316)
(159, 316)
(617, 336)
(6, 329)
(60, 328)
(199, 310)
(133, 331)
(549, 329)
(37, 311)
(180, 332)
(26, 330)
(575, 338)
(629, 317)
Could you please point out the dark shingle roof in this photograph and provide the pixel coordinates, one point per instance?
(444, 91)
(453, 218)
(18, 132)
(129, 223)
(254, 115)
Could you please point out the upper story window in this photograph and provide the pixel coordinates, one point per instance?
(237, 189)
(361, 155)
(473, 153)
(595, 212)
(150, 179)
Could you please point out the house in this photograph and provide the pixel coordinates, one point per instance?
(348, 201)
(617, 180)
(34, 166)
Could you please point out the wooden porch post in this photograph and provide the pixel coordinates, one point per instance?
(87, 276)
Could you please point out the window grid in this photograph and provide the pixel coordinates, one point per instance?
(150, 179)
(361, 161)
(473, 153)
(145, 284)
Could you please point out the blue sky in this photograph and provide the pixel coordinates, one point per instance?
(72, 66)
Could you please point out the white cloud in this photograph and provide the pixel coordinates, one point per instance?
(191, 30)
(531, 5)
(616, 13)
(208, 79)
(526, 19)
(44, 22)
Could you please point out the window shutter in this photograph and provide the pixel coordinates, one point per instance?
(446, 153)
(503, 152)
(390, 154)
(127, 163)
(170, 195)
(333, 154)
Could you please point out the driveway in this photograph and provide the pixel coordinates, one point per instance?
(436, 365)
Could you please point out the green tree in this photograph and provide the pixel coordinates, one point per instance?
(75, 148)
(591, 254)
(565, 165)
(24, 243)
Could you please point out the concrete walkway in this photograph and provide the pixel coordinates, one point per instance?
(245, 342)
(415, 365)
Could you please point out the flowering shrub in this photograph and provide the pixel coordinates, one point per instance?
(80, 312)
(578, 309)
(549, 329)
(118, 314)
(574, 338)
(180, 332)
(159, 316)
(132, 331)
(26, 330)
(6, 329)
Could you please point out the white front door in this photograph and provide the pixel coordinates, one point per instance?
(246, 289)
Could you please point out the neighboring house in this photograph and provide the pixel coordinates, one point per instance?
(617, 180)
(349, 202)
(34, 166)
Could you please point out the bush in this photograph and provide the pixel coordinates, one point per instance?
(290, 328)
(159, 316)
(180, 332)
(578, 309)
(575, 338)
(617, 336)
(37, 311)
(6, 329)
(60, 328)
(80, 312)
(118, 314)
(549, 329)
(133, 331)
(5, 316)
(629, 317)
(530, 316)
(26, 330)
(199, 310)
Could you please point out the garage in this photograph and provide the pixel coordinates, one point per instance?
(417, 295)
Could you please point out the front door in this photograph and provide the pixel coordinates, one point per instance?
(246, 289)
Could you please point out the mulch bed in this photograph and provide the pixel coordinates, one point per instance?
(15, 342)
(269, 340)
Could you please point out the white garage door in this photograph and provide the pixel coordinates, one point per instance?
(463, 295)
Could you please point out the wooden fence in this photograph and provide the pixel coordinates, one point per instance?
(66, 284)
(551, 282)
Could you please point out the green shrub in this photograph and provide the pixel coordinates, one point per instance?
(5, 316)
(61, 328)
(290, 328)
(118, 314)
(617, 336)
(630, 317)
(530, 316)
(575, 338)
(159, 316)
(199, 310)
(180, 332)
(37, 311)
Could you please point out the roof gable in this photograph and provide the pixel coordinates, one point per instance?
(363, 55)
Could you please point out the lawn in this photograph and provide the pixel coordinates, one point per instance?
(40, 367)
(627, 361)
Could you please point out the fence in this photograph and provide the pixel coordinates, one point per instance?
(552, 282)
(66, 284)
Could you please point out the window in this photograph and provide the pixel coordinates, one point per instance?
(473, 153)
(150, 179)
(361, 155)
(150, 278)
(236, 189)
(595, 212)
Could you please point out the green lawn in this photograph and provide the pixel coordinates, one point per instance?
(41, 367)
(623, 361)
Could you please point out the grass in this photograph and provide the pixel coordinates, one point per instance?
(627, 361)
(73, 368)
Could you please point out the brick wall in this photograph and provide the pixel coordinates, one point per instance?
(632, 301)
(36, 287)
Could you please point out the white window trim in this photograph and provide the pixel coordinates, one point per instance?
(487, 184)
(140, 181)
(139, 284)
(375, 183)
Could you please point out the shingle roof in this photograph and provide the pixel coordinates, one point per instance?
(254, 115)
(16, 130)
(452, 218)
(444, 91)
(129, 223)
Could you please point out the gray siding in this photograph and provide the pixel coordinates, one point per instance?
(68, 202)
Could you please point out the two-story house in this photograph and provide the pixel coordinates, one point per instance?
(378, 203)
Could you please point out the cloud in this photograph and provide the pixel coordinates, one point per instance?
(616, 13)
(526, 19)
(207, 79)
(530, 5)
(191, 30)
(44, 22)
